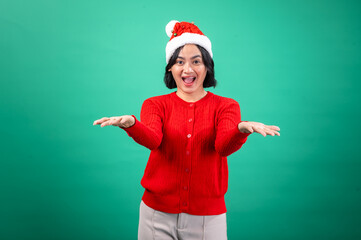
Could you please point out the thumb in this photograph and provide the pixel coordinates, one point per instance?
(116, 121)
(121, 120)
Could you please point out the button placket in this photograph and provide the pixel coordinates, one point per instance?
(188, 159)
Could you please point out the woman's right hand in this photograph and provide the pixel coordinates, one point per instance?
(121, 121)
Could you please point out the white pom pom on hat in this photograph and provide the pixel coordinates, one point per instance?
(169, 27)
(182, 33)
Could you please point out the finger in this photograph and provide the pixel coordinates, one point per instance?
(112, 121)
(274, 128)
(269, 132)
(260, 131)
(250, 129)
(106, 123)
(99, 121)
(273, 133)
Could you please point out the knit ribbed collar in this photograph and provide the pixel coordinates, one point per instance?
(200, 101)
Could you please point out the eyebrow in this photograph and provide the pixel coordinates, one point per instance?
(191, 57)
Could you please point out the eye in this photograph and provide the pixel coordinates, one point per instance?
(180, 62)
(197, 62)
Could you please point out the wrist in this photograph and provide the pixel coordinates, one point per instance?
(129, 123)
(242, 128)
(133, 122)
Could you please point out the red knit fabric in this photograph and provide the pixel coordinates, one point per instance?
(184, 27)
(187, 168)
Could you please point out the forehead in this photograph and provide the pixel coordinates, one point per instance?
(189, 50)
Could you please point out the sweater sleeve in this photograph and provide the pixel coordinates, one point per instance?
(148, 131)
(228, 137)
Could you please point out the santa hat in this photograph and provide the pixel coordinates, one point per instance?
(182, 33)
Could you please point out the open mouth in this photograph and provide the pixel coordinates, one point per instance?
(188, 80)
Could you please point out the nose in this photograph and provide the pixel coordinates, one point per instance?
(187, 68)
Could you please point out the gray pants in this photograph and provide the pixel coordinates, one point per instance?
(154, 224)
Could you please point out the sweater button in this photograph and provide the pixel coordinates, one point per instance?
(185, 188)
(187, 152)
(190, 120)
(187, 170)
(191, 105)
(184, 203)
(189, 135)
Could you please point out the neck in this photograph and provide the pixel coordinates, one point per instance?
(191, 97)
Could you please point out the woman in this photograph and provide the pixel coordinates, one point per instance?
(190, 133)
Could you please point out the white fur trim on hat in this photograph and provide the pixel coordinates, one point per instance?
(187, 38)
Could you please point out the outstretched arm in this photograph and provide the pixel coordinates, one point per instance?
(232, 133)
(147, 132)
(228, 137)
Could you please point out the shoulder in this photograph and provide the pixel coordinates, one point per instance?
(159, 101)
(159, 98)
(222, 102)
(226, 107)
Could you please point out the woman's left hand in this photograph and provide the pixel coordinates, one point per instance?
(250, 127)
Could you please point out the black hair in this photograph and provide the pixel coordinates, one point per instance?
(209, 80)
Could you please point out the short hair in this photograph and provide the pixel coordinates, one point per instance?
(209, 80)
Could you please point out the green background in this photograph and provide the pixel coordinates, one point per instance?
(64, 64)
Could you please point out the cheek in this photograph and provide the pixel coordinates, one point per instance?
(176, 77)
(173, 74)
(203, 73)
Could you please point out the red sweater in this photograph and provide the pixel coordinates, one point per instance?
(187, 169)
